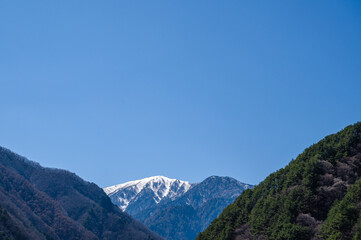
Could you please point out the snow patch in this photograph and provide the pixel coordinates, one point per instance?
(162, 188)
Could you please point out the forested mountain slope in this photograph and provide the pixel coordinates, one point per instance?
(317, 196)
(42, 203)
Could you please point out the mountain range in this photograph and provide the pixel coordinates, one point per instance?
(173, 208)
(38, 203)
(316, 196)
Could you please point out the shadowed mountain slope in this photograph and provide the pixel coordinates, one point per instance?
(43, 203)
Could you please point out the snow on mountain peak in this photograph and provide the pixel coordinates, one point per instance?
(157, 187)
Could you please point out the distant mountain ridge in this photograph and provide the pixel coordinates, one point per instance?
(173, 208)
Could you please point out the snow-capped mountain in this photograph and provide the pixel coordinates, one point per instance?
(175, 209)
(146, 192)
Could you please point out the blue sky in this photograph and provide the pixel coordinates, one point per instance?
(120, 90)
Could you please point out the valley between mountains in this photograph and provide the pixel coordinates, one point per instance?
(55, 204)
(175, 209)
(316, 196)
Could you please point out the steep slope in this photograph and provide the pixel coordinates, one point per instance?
(186, 216)
(43, 203)
(211, 196)
(314, 197)
(185, 212)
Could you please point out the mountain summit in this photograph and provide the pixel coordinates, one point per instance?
(174, 208)
(146, 191)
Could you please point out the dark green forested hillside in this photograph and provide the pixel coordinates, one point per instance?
(317, 196)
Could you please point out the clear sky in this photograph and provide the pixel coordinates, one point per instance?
(121, 90)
